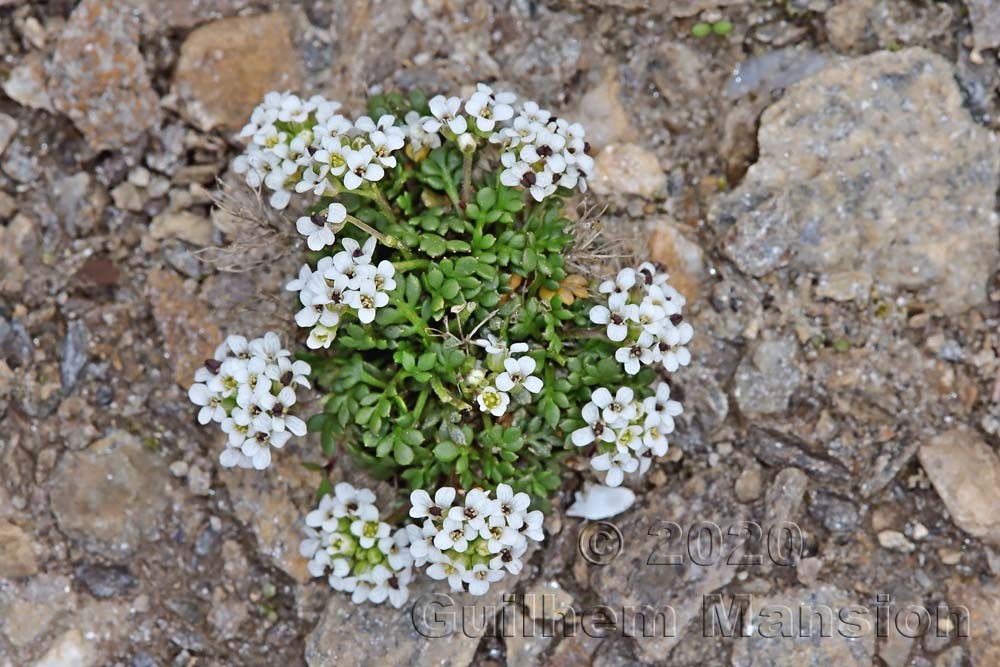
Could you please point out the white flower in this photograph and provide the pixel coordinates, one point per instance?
(367, 528)
(422, 506)
(452, 534)
(616, 465)
(391, 585)
(446, 111)
(397, 549)
(519, 372)
(479, 578)
(366, 300)
(419, 137)
(486, 111)
(210, 402)
(350, 501)
(669, 344)
(446, 569)
(617, 314)
(320, 337)
(360, 168)
(493, 401)
(623, 282)
(617, 410)
(596, 428)
(324, 516)
(637, 354)
(532, 528)
(660, 410)
(512, 506)
(478, 507)
(319, 232)
(384, 144)
(422, 542)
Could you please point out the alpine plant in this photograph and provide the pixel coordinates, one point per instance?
(455, 352)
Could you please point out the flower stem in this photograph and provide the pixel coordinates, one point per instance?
(384, 239)
(466, 177)
(380, 200)
(410, 264)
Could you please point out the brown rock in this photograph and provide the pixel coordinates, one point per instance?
(274, 506)
(17, 557)
(226, 67)
(160, 15)
(982, 601)
(189, 335)
(183, 225)
(108, 495)
(682, 257)
(602, 114)
(628, 169)
(98, 78)
(965, 472)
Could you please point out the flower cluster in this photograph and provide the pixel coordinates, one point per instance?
(306, 146)
(628, 432)
(543, 153)
(643, 312)
(510, 375)
(474, 543)
(348, 281)
(359, 553)
(248, 388)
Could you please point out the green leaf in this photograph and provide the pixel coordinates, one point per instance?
(403, 453)
(433, 245)
(445, 451)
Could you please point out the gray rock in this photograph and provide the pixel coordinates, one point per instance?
(985, 18)
(108, 495)
(74, 353)
(434, 628)
(640, 579)
(838, 515)
(872, 165)
(105, 581)
(773, 70)
(98, 78)
(8, 126)
(767, 377)
(780, 449)
(807, 646)
(965, 472)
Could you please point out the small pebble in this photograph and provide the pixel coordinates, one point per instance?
(895, 540)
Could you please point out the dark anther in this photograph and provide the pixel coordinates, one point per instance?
(213, 365)
(676, 319)
(586, 147)
(545, 151)
(278, 410)
(436, 511)
(352, 506)
(318, 219)
(393, 581)
(287, 378)
(528, 179)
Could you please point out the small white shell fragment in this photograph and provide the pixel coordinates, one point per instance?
(600, 502)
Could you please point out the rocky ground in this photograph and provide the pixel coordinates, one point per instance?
(829, 209)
